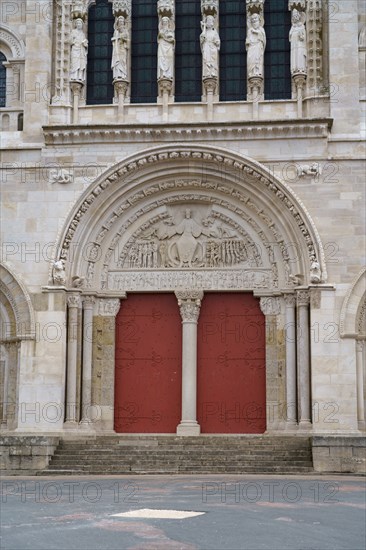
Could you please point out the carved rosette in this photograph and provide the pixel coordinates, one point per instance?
(303, 298)
(189, 303)
(270, 305)
(109, 307)
(73, 300)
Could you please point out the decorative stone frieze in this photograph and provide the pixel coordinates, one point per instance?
(189, 303)
(109, 307)
(240, 131)
(270, 305)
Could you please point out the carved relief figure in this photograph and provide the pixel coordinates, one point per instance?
(120, 42)
(166, 46)
(298, 43)
(315, 272)
(58, 273)
(255, 45)
(210, 46)
(79, 51)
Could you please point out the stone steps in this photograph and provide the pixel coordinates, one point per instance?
(174, 455)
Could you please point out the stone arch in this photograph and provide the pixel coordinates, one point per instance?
(17, 304)
(352, 318)
(128, 195)
(11, 44)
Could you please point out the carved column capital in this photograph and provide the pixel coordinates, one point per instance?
(303, 297)
(76, 87)
(290, 300)
(109, 307)
(73, 300)
(270, 305)
(88, 302)
(189, 303)
(360, 345)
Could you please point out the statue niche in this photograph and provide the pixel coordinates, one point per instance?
(207, 242)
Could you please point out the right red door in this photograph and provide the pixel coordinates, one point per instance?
(231, 379)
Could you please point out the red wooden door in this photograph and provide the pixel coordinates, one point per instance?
(231, 381)
(148, 377)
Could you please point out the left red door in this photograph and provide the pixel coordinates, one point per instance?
(148, 378)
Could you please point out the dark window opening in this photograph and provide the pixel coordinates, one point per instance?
(144, 87)
(188, 57)
(2, 80)
(277, 72)
(233, 59)
(99, 73)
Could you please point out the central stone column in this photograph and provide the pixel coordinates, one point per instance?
(73, 302)
(86, 387)
(303, 359)
(189, 303)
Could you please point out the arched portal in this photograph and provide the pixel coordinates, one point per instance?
(17, 326)
(353, 326)
(192, 220)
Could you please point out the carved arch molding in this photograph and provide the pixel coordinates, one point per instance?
(189, 217)
(11, 43)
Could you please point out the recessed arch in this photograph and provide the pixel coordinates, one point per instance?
(232, 185)
(11, 44)
(353, 312)
(16, 306)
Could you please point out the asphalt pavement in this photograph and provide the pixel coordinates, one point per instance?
(224, 512)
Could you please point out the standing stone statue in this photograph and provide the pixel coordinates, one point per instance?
(210, 46)
(79, 52)
(120, 42)
(255, 45)
(166, 47)
(298, 43)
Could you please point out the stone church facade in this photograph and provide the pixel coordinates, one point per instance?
(183, 219)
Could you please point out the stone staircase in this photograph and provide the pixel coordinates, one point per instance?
(182, 455)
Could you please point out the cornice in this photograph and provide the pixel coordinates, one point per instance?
(246, 130)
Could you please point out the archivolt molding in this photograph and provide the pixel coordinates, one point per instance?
(13, 42)
(352, 318)
(267, 205)
(19, 299)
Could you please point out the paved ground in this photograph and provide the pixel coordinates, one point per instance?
(240, 512)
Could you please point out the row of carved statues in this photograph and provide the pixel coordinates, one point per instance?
(210, 47)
